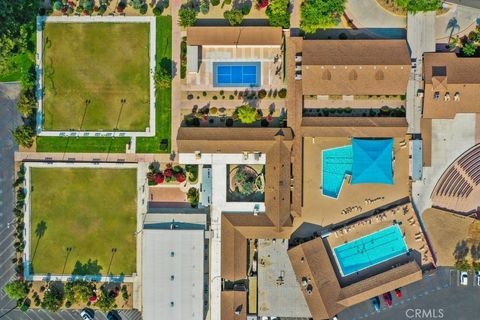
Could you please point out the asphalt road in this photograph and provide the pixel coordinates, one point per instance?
(437, 296)
(9, 119)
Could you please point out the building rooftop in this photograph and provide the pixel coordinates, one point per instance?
(172, 274)
(234, 36)
(452, 84)
(355, 67)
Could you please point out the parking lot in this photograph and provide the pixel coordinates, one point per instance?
(438, 296)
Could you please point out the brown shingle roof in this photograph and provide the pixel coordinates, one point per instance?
(327, 298)
(229, 140)
(354, 127)
(234, 301)
(446, 73)
(355, 67)
(233, 251)
(232, 36)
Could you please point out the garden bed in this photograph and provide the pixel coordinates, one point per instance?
(245, 183)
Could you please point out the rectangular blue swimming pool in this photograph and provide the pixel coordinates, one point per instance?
(336, 163)
(236, 74)
(370, 250)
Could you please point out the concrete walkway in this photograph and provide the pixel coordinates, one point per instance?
(176, 81)
(92, 157)
(368, 14)
(460, 18)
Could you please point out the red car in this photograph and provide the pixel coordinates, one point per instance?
(398, 293)
(388, 298)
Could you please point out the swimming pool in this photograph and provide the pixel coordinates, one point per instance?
(236, 74)
(336, 163)
(370, 250)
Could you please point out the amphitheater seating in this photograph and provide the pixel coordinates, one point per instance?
(460, 179)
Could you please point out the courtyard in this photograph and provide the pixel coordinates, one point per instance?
(83, 221)
(96, 76)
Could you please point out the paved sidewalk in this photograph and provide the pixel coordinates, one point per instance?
(92, 157)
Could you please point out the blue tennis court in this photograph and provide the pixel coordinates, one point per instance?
(236, 74)
(370, 250)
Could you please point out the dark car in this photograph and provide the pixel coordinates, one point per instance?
(376, 303)
(387, 296)
(113, 315)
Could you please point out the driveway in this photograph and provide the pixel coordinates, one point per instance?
(368, 14)
(437, 296)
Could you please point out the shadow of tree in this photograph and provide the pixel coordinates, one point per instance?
(91, 267)
(461, 250)
(475, 252)
(40, 230)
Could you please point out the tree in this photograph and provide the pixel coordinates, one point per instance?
(106, 301)
(278, 14)
(320, 14)
(414, 6)
(26, 103)
(23, 136)
(469, 49)
(234, 16)
(193, 197)
(163, 78)
(78, 291)
(57, 5)
(53, 299)
(16, 289)
(187, 16)
(246, 114)
(158, 10)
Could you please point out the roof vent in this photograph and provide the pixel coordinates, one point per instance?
(436, 95)
(172, 277)
(172, 303)
(456, 97)
(172, 254)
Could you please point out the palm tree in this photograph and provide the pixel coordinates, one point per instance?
(452, 25)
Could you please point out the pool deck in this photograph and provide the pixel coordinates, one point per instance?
(325, 211)
(410, 227)
(203, 79)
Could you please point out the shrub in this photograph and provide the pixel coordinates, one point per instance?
(246, 114)
(57, 5)
(124, 293)
(157, 11)
(23, 136)
(214, 97)
(229, 122)
(282, 93)
(247, 6)
(262, 94)
(215, 2)
(193, 197)
(414, 6)
(213, 110)
(204, 93)
(231, 97)
(469, 49)
(278, 13)
(101, 9)
(187, 16)
(180, 177)
(227, 2)
(106, 301)
(163, 78)
(234, 16)
(204, 6)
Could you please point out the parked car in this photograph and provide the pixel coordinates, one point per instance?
(376, 303)
(87, 314)
(113, 315)
(387, 296)
(478, 278)
(464, 278)
(398, 292)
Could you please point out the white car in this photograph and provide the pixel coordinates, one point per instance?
(463, 278)
(478, 278)
(87, 314)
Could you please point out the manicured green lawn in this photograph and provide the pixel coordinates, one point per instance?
(92, 145)
(100, 62)
(163, 116)
(88, 210)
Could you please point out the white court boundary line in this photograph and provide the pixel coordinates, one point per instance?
(27, 218)
(39, 86)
